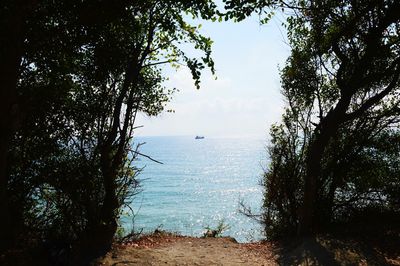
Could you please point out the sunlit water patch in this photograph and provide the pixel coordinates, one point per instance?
(199, 184)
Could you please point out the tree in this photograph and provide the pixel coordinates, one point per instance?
(85, 73)
(341, 83)
(13, 15)
(357, 44)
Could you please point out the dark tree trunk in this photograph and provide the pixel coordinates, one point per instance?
(10, 57)
(322, 135)
(97, 238)
(94, 242)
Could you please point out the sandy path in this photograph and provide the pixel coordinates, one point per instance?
(191, 251)
(169, 249)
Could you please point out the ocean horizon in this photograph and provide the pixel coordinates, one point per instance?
(200, 184)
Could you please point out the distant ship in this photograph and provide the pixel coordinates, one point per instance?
(199, 137)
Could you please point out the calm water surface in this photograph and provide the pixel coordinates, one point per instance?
(199, 184)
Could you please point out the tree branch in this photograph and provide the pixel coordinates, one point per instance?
(375, 99)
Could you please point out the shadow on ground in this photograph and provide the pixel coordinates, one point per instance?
(339, 251)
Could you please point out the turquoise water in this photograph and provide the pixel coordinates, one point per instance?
(199, 184)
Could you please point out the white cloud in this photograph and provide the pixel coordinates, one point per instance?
(244, 100)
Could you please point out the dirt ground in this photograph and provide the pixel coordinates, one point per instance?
(190, 251)
(169, 249)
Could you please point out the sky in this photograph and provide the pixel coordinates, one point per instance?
(245, 98)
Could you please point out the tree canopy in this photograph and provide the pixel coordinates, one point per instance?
(85, 69)
(341, 83)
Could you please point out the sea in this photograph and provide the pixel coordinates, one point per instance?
(199, 185)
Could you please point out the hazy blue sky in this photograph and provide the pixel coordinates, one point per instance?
(245, 99)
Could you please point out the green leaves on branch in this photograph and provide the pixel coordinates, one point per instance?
(329, 155)
(88, 68)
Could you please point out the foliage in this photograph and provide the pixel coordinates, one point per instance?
(217, 232)
(330, 155)
(87, 69)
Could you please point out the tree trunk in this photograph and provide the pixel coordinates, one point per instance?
(97, 238)
(95, 242)
(10, 58)
(322, 135)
